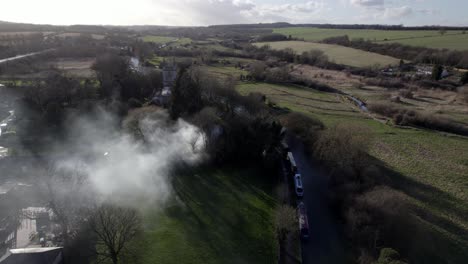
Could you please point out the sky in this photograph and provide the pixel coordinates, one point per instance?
(211, 12)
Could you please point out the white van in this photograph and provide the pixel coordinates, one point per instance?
(298, 185)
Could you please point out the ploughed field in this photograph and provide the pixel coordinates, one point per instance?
(336, 53)
(454, 40)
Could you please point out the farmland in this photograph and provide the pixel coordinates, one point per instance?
(165, 40)
(338, 54)
(429, 167)
(158, 39)
(229, 223)
(455, 40)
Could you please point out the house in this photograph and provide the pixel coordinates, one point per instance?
(162, 97)
(52, 255)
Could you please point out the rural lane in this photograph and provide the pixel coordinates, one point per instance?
(325, 244)
(23, 56)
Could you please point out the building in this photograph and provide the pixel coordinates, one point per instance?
(169, 75)
(52, 255)
(162, 97)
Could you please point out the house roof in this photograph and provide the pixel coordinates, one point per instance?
(51, 255)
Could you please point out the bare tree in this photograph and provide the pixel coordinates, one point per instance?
(286, 222)
(68, 197)
(114, 228)
(345, 146)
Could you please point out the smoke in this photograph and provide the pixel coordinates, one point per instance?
(130, 166)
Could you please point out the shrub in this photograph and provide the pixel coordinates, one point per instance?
(390, 83)
(272, 37)
(444, 84)
(464, 78)
(277, 75)
(437, 72)
(389, 256)
(406, 94)
(464, 93)
(344, 146)
(313, 57)
(406, 117)
(257, 70)
(303, 126)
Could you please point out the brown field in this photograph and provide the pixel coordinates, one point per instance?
(75, 35)
(445, 103)
(76, 67)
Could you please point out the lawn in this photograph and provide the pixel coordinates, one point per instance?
(431, 168)
(216, 216)
(426, 38)
(158, 39)
(338, 54)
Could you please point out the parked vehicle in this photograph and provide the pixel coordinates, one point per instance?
(303, 221)
(298, 185)
(292, 163)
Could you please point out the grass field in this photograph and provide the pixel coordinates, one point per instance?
(224, 72)
(430, 38)
(165, 40)
(219, 216)
(338, 54)
(158, 39)
(429, 167)
(452, 42)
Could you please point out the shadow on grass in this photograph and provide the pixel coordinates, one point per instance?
(428, 244)
(224, 212)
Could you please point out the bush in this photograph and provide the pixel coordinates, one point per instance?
(389, 256)
(437, 72)
(464, 93)
(344, 146)
(464, 78)
(406, 94)
(390, 83)
(406, 117)
(444, 84)
(277, 75)
(313, 57)
(272, 37)
(304, 127)
(257, 70)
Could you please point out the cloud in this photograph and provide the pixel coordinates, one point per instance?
(368, 3)
(202, 12)
(397, 12)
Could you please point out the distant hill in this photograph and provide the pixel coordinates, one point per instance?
(6, 26)
(337, 26)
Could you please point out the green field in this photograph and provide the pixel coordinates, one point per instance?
(165, 40)
(430, 38)
(224, 72)
(218, 216)
(158, 39)
(338, 54)
(429, 167)
(452, 42)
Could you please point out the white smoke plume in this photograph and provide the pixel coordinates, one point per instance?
(122, 169)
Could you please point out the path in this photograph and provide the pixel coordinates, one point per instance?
(23, 56)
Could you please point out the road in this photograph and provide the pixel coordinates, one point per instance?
(325, 244)
(22, 56)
